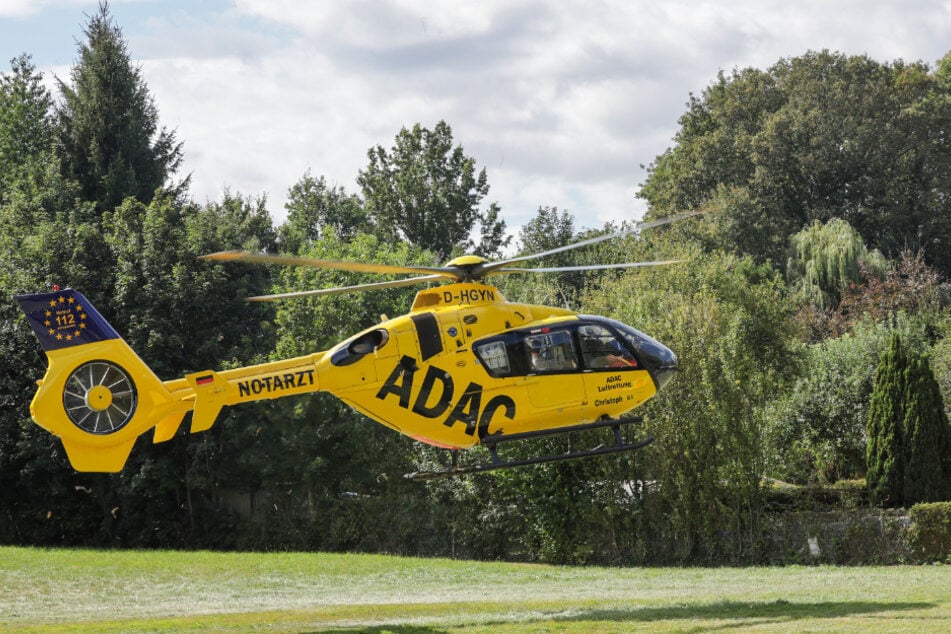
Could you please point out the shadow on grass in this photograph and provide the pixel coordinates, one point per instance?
(748, 610)
(387, 629)
(736, 613)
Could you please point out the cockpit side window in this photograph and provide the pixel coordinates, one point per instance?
(600, 349)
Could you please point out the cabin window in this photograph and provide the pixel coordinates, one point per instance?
(495, 358)
(541, 351)
(362, 345)
(600, 349)
(551, 352)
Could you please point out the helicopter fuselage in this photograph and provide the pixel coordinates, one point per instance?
(459, 368)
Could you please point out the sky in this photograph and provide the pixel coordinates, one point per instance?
(563, 103)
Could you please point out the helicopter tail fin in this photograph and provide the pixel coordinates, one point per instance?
(97, 395)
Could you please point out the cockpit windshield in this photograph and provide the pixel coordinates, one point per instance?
(602, 349)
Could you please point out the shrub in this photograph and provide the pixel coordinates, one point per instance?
(930, 533)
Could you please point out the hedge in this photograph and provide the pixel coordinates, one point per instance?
(930, 532)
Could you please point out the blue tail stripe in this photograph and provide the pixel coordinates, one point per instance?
(64, 318)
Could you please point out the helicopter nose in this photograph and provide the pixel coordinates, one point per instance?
(666, 368)
(659, 360)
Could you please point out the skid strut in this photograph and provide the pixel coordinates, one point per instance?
(492, 442)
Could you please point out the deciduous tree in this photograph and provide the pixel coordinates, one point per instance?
(815, 137)
(825, 259)
(313, 207)
(426, 191)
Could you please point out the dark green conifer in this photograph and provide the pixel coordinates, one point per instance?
(26, 130)
(885, 454)
(909, 437)
(110, 141)
(927, 437)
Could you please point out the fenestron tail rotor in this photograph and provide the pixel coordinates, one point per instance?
(99, 397)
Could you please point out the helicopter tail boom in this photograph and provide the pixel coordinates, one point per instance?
(98, 396)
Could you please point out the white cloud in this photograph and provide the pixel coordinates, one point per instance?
(24, 8)
(17, 8)
(560, 102)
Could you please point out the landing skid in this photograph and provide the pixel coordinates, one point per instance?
(492, 442)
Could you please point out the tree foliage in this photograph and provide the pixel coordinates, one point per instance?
(427, 192)
(809, 164)
(109, 137)
(26, 126)
(314, 207)
(818, 429)
(908, 285)
(909, 437)
(815, 137)
(927, 477)
(825, 259)
(729, 322)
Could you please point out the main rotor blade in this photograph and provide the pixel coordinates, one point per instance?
(489, 268)
(339, 265)
(373, 286)
(585, 267)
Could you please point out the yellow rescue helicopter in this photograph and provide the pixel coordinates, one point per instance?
(464, 367)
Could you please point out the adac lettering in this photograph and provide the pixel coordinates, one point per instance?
(436, 395)
(276, 383)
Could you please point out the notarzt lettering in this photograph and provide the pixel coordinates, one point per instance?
(276, 383)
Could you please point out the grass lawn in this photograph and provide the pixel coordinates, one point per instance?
(160, 591)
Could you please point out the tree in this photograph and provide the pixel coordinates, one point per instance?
(109, 137)
(908, 430)
(492, 236)
(427, 192)
(313, 207)
(825, 259)
(26, 129)
(941, 364)
(909, 286)
(819, 425)
(345, 470)
(729, 322)
(548, 230)
(815, 137)
(885, 455)
(927, 437)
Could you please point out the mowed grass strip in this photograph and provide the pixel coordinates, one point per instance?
(161, 591)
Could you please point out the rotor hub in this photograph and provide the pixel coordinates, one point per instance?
(467, 261)
(98, 398)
